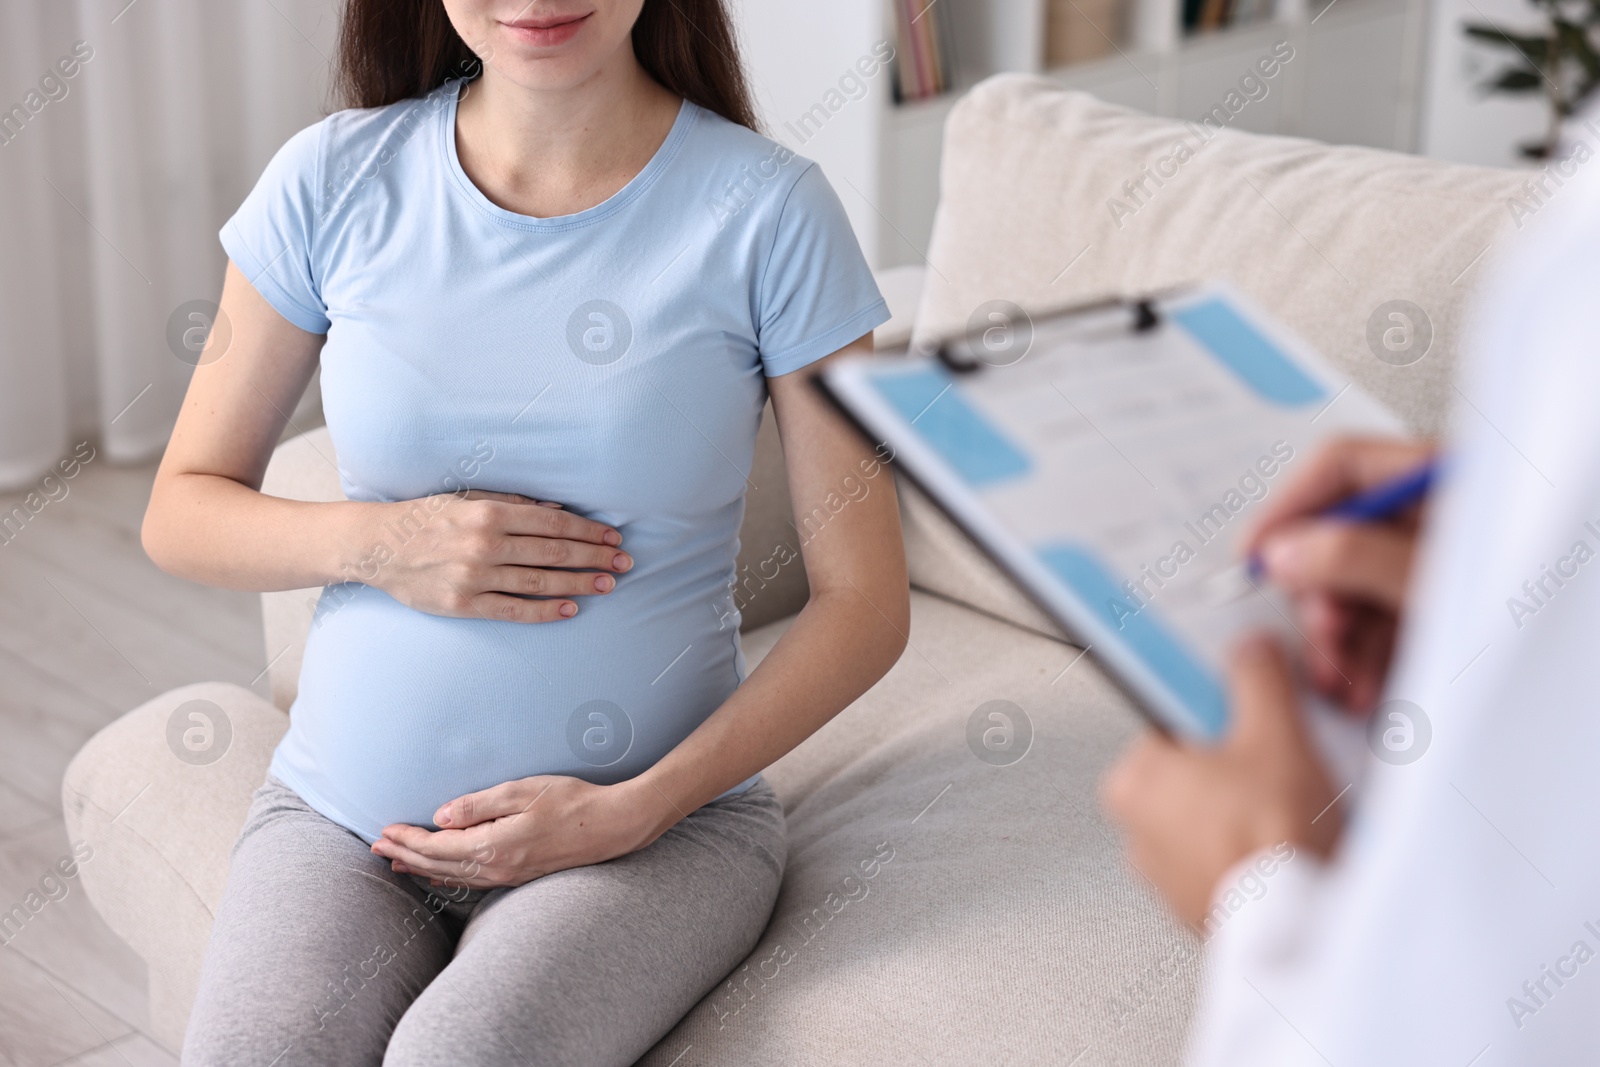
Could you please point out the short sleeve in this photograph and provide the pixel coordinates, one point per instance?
(270, 237)
(817, 294)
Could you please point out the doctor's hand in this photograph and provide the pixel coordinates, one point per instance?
(1190, 813)
(482, 555)
(521, 830)
(1348, 580)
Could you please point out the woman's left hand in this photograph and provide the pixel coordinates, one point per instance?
(518, 831)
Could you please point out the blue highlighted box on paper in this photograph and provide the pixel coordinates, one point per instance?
(1247, 352)
(929, 400)
(1161, 653)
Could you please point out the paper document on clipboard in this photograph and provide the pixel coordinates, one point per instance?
(1113, 469)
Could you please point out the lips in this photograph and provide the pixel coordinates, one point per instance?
(547, 31)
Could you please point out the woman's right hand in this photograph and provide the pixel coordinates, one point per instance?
(482, 554)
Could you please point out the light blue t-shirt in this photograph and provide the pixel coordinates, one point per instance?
(613, 360)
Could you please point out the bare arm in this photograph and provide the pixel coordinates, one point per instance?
(206, 520)
(209, 522)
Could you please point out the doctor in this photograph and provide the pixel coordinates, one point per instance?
(1446, 908)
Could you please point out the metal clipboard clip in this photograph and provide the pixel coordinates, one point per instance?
(1145, 318)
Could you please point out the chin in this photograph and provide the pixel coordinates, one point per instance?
(546, 67)
(545, 75)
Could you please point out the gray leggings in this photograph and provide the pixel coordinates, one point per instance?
(321, 955)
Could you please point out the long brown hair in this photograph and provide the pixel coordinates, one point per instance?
(392, 50)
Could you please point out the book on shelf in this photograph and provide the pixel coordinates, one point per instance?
(924, 50)
(1201, 16)
(1080, 30)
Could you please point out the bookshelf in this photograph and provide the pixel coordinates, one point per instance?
(1355, 79)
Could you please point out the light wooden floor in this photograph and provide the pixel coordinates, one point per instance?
(89, 628)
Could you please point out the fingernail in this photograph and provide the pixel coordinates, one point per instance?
(400, 868)
(569, 609)
(442, 818)
(1281, 555)
(612, 538)
(621, 562)
(605, 583)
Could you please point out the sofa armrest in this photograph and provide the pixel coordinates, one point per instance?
(161, 821)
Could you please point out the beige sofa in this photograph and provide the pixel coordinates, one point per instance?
(1005, 927)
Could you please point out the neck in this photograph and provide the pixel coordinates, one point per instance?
(542, 151)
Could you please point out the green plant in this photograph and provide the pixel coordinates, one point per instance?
(1563, 63)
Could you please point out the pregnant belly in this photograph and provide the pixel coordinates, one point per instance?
(400, 711)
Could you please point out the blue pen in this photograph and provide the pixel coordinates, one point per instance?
(1382, 501)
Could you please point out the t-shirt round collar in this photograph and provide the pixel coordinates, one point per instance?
(688, 113)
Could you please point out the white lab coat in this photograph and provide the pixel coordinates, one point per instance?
(1459, 923)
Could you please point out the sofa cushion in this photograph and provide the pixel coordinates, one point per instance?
(994, 920)
(1046, 201)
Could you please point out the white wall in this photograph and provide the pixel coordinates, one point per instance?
(1458, 122)
(796, 54)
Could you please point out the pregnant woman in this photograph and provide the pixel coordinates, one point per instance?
(550, 278)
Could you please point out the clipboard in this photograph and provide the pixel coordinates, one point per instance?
(1109, 462)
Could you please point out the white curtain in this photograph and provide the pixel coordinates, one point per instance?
(129, 132)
